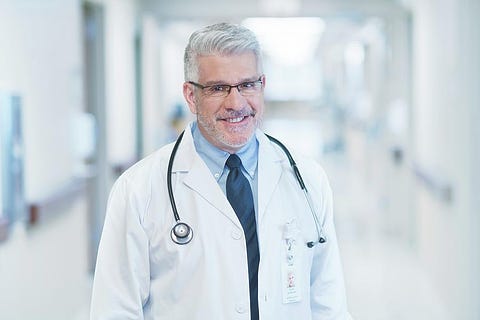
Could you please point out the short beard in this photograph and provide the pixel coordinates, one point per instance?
(211, 131)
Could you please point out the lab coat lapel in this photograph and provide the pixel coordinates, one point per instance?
(199, 178)
(269, 173)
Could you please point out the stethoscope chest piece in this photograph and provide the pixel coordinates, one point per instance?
(181, 233)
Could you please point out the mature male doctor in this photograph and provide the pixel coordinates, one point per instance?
(235, 237)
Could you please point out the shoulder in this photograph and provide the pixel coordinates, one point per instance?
(136, 181)
(144, 168)
(310, 169)
(303, 162)
(311, 165)
(132, 192)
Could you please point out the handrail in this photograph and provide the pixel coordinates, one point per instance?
(3, 229)
(39, 209)
(438, 185)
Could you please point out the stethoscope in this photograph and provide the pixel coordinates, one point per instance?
(182, 233)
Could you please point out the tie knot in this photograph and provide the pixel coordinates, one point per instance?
(233, 161)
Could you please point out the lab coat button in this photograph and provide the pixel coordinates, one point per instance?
(236, 234)
(240, 307)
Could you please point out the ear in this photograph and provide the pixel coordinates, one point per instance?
(189, 94)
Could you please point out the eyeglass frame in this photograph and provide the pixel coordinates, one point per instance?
(202, 87)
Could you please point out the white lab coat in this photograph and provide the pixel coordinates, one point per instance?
(142, 274)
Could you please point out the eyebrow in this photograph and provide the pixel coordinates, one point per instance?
(221, 82)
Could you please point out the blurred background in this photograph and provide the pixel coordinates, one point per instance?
(384, 94)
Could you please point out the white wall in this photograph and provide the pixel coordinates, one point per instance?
(41, 60)
(43, 269)
(120, 26)
(446, 76)
(469, 39)
(120, 23)
(174, 38)
(42, 63)
(163, 47)
(151, 80)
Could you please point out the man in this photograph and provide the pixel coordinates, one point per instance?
(241, 251)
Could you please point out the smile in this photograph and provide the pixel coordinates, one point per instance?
(236, 117)
(235, 120)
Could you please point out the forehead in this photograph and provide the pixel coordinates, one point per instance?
(227, 68)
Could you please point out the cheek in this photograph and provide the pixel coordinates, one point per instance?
(258, 104)
(207, 109)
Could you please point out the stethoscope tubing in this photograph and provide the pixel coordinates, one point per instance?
(169, 177)
(293, 164)
(182, 233)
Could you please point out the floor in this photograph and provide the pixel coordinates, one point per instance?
(384, 278)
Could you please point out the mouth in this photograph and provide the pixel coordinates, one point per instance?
(235, 119)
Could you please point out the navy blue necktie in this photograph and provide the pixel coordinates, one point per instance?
(239, 194)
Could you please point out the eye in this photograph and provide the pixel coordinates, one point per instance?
(248, 85)
(218, 88)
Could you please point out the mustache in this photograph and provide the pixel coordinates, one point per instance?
(237, 114)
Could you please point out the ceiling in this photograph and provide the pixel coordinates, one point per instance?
(236, 10)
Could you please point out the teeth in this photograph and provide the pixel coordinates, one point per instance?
(235, 120)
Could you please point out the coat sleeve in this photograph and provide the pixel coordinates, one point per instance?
(121, 282)
(327, 298)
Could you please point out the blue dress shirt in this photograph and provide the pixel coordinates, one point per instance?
(215, 160)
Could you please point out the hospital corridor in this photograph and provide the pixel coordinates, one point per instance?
(383, 94)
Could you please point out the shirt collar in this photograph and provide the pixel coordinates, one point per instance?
(215, 158)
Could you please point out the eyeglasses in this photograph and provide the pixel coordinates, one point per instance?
(247, 88)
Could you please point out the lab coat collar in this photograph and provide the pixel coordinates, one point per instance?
(270, 164)
(199, 178)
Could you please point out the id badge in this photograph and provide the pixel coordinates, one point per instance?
(291, 291)
(291, 284)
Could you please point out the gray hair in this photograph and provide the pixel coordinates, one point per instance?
(219, 39)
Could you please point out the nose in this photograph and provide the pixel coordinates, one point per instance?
(234, 100)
